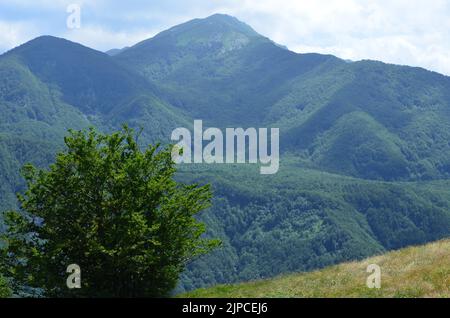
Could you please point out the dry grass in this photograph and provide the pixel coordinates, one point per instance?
(422, 271)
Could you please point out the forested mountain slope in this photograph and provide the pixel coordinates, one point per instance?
(365, 119)
(49, 85)
(365, 145)
(299, 220)
(420, 271)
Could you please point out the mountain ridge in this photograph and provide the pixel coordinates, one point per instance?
(219, 66)
(305, 95)
(362, 143)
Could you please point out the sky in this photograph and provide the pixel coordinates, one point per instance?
(407, 32)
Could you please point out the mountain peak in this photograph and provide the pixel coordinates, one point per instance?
(216, 23)
(218, 33)
(229, 21)
(215, 28)
(49, 46)
(221, 16)
(46, 40)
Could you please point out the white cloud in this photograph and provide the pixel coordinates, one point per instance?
(14, 34)
(412, 32)
(45, 4)
(102, 39)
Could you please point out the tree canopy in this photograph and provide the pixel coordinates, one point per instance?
(113, 210)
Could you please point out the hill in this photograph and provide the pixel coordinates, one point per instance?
(364, 119)
(49, 85)
(301, 219)
(220, 70)
(421, 271)
(365, 155)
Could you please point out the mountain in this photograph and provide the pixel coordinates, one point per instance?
(220, 70)
(365, 153)
(113, 52)
(301, 219)
(364, 119)
(387, 122)
(416, 272)
(49, 85)
(89, 80)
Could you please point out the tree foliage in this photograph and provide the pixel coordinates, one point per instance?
(5, 291)
(113, 210)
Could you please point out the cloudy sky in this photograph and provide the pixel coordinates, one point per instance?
(411, 32)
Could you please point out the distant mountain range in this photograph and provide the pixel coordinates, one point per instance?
(365, 145)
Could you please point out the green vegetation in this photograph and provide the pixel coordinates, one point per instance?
(4, 289)
(413, 272)
(300, 220)
(220, 70)
(365, 157)
(365, 119)
(111, 209)
(50, 85)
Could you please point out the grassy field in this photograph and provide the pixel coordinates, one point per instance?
(422, 271)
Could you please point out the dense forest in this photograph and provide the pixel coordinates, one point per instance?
(300, 219)
(365, 154)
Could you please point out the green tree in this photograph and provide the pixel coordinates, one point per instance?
(113, 210)
(5, 291)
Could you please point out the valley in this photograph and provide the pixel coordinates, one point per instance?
(364, 146)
